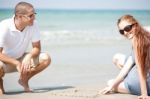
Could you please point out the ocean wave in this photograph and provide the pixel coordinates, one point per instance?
(68, 35)
(77, 35)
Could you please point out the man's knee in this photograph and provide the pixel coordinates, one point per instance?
(44, 57)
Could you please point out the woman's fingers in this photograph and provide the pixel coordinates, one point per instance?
(105, 91)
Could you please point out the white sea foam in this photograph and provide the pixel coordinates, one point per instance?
(81, 36)
(78, 36)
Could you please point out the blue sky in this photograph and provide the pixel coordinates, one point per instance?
(81, 4)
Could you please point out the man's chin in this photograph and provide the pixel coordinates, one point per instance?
(30, 24)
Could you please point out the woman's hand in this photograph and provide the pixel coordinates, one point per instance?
(106, 90)
(143, 97)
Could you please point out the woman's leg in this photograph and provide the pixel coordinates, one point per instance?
(119, 60)
(120, 88)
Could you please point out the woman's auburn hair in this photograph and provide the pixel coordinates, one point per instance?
(141, 44)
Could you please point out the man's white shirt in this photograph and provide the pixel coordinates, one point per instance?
(14, 42)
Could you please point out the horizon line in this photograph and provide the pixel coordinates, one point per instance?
(72, 9)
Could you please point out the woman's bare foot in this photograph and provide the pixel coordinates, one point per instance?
(25, 85)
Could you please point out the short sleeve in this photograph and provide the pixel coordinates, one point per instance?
(3, 34)
(36, 32)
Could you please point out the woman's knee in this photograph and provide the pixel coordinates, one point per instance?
(119, 59)
(121, 88)
(110, 82)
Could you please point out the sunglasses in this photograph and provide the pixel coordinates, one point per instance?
(30, 16)
(126, 28)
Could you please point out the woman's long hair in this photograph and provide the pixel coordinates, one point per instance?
(141, 44)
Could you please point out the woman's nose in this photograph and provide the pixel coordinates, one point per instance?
(125, 33)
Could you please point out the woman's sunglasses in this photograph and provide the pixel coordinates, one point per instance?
(127, 29)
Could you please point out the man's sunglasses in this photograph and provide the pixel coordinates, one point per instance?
(30, 16)
(126, 28)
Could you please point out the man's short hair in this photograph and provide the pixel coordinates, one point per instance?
(21, 7)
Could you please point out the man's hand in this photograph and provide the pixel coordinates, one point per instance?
(143, 97)
(26, 64)
(18, 66)
(25, 69)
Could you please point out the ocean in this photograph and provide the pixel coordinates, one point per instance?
(80, 26)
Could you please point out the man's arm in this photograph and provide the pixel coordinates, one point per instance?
(34, 52)
(36, 49)
(26, 62)
(7, 59)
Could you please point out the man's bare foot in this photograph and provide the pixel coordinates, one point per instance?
(1, 92)
(25, 85)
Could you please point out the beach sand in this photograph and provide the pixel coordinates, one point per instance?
(77, 71)
(66, 93)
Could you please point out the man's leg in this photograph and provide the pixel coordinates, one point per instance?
(44, 61)
(1, 79)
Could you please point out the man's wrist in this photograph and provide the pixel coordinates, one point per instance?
(29, 55)
(16, 63)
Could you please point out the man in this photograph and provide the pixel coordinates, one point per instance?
(15, 35)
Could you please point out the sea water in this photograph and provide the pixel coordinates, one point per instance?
(78, 26)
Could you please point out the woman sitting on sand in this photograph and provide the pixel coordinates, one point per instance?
(134, 76)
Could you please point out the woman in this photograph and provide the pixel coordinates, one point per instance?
(133, 79)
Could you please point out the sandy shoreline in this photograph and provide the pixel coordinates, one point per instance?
(76, 72)
(66, 92)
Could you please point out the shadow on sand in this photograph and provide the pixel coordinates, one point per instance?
(38, 90)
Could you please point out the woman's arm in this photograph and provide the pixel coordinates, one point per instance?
(124, 71)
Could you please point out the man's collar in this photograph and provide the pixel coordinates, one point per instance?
(12, 24)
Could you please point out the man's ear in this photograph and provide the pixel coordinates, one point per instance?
(18, 16)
